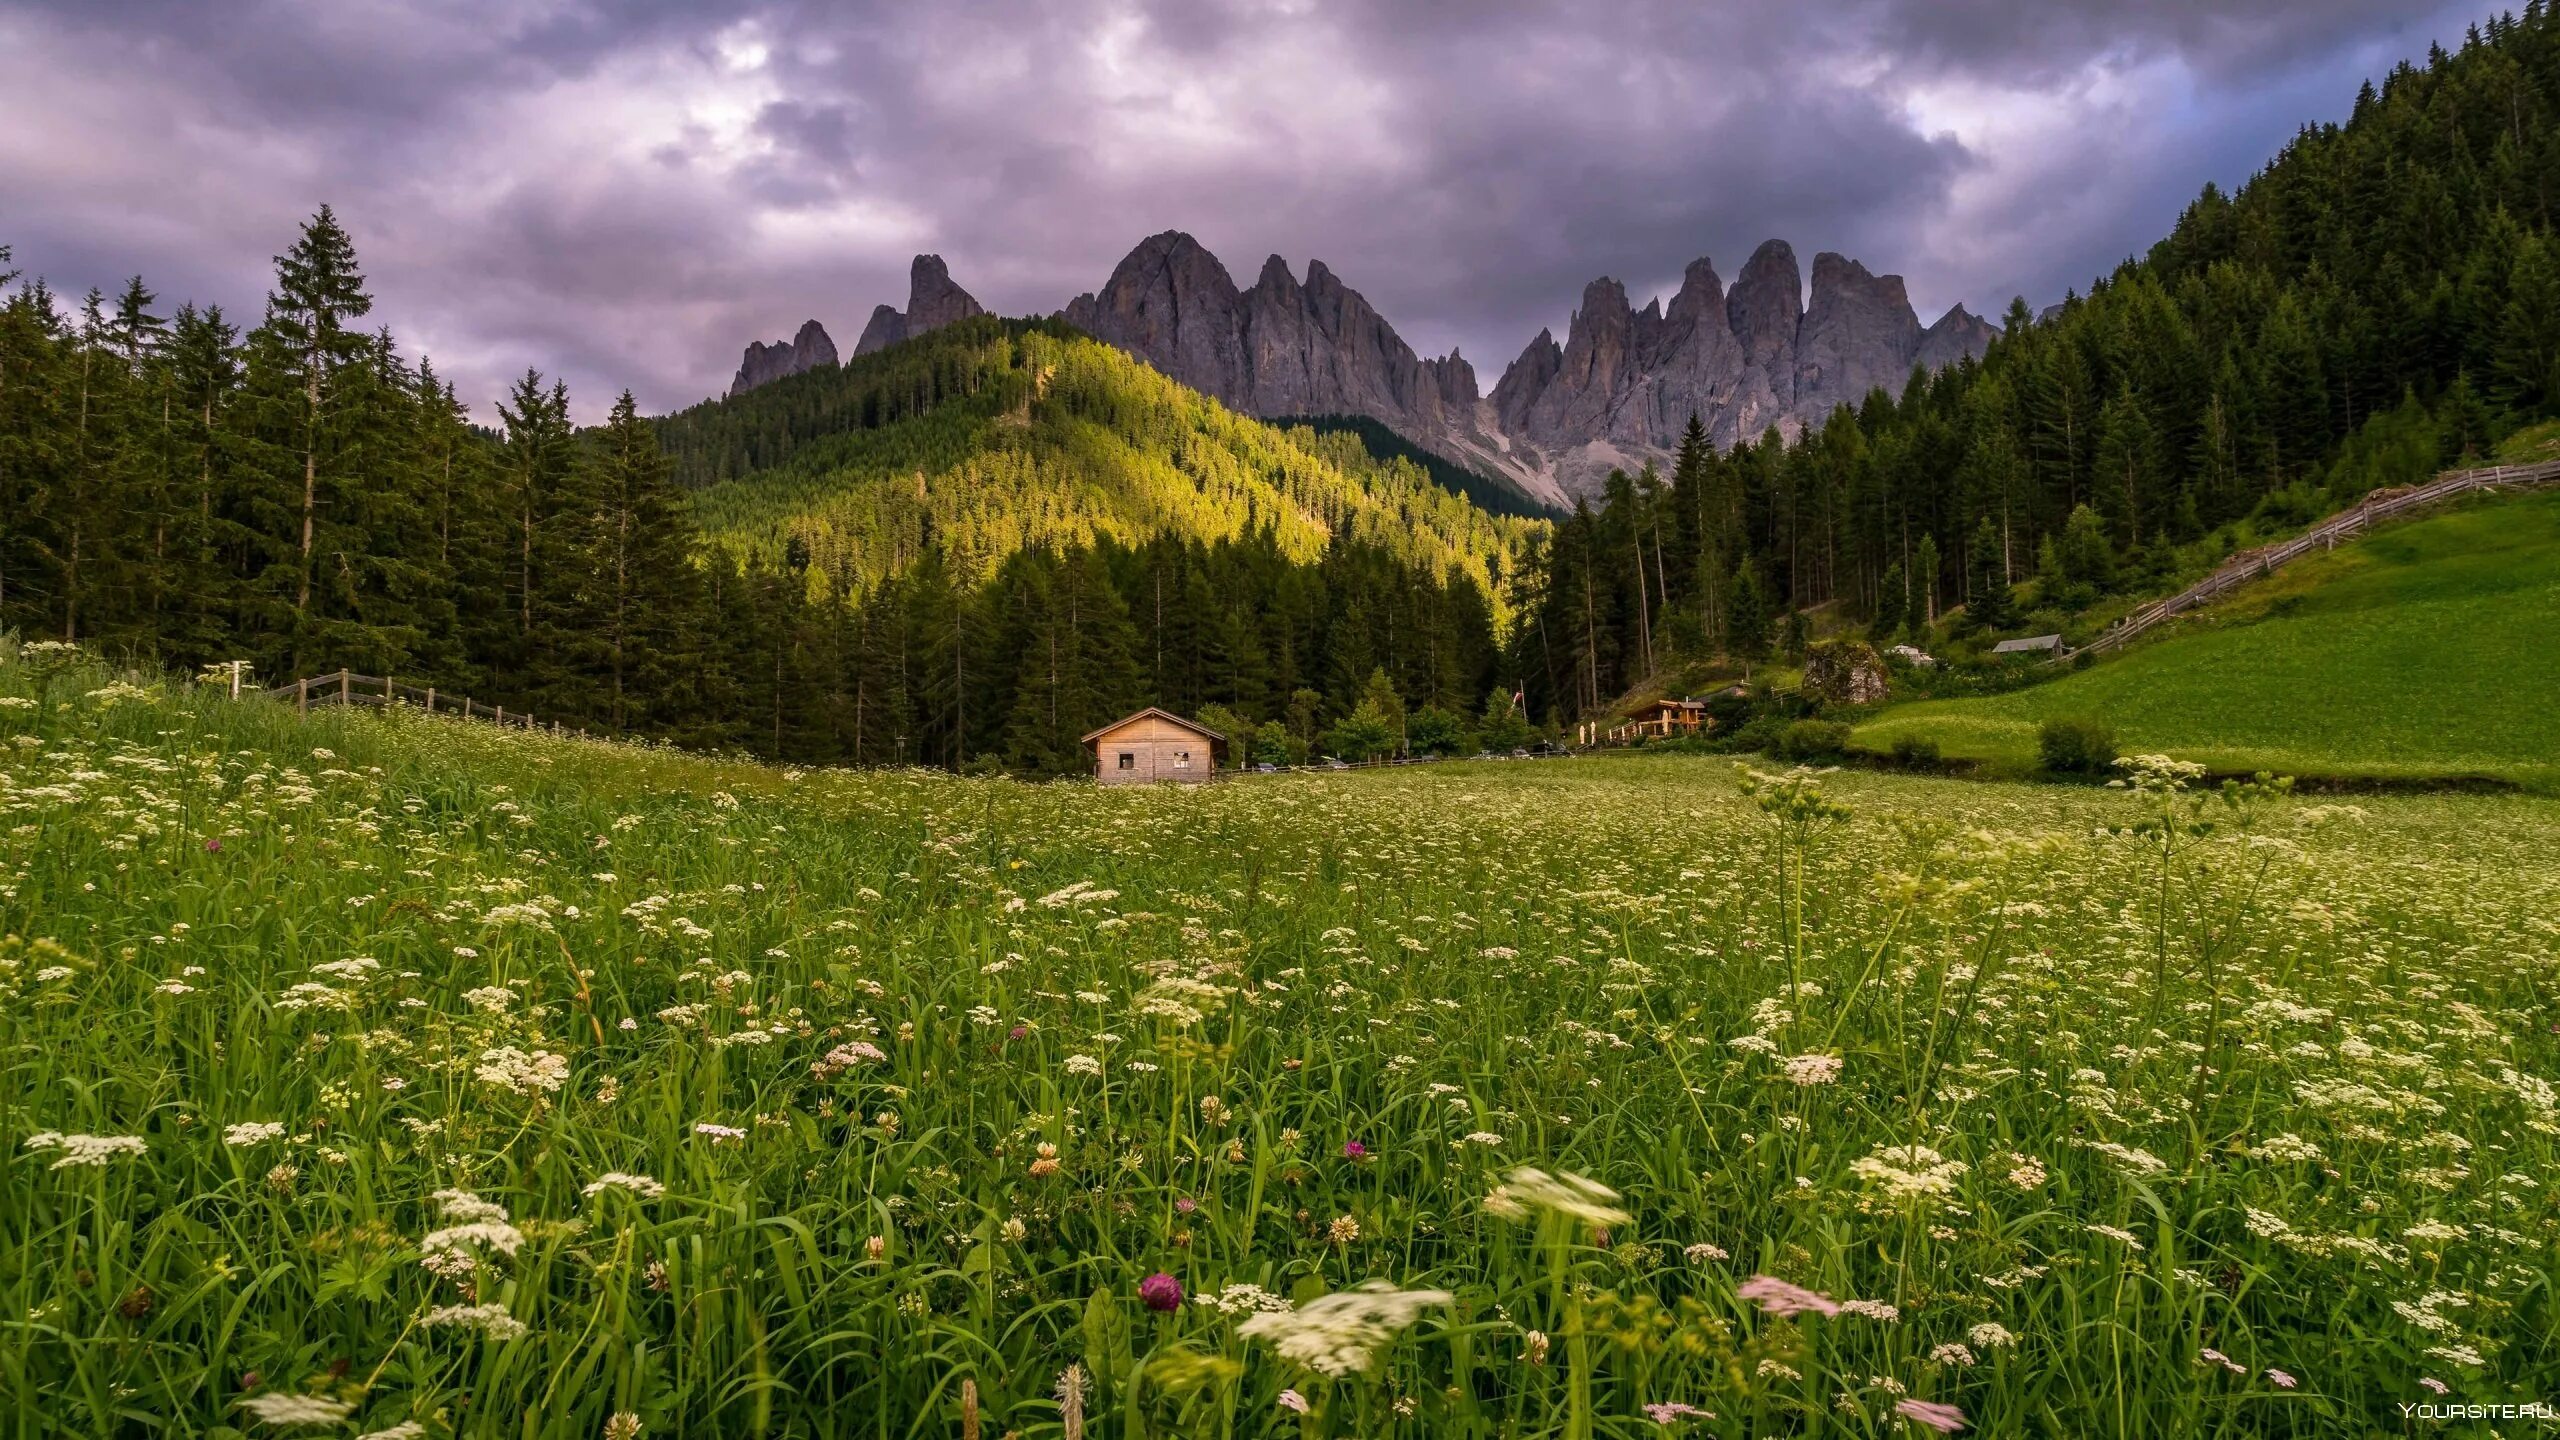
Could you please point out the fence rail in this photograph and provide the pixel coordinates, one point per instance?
(345, 687)
(2259, 564)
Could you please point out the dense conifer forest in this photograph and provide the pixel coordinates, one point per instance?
(2381, 300)
(969, 549)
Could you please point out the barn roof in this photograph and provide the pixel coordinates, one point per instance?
(1151, 712)
(2028, 645)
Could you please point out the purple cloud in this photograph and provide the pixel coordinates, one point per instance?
(627, 193)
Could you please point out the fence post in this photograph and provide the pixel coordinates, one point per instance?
(431, 699)
(386, 692)
(302, 695)
(502, 715)
(346, 687)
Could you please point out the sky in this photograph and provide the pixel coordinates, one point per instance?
(625, 194)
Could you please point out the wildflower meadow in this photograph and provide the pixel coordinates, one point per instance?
(375, 1074)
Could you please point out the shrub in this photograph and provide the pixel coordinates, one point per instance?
(1760, 733)
(2073, 746)
(1812, 740)
(1915, 752)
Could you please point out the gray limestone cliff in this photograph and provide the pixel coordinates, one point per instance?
(1617, 392)
(932, 302)
(764, 364)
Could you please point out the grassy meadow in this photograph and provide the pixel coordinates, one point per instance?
(2422, 651)
(379, 1075)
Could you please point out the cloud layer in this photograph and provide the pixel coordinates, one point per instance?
(627, 193)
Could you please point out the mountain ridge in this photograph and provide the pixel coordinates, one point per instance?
(1616, 393)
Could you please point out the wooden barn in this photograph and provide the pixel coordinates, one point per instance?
(1155, 745)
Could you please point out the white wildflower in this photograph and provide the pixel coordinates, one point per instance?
(1340, 1334)
(1573, 1196)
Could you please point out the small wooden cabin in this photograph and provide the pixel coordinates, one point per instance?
(1661, 720)
(1155, 745)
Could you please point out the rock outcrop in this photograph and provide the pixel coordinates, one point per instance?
(1622, 387)
(1618, 391)
(1281, 348)
(932, 302)
(1959, 335)
(1858, 335)
(765, 364)
(1766, 309)
(1845, 672)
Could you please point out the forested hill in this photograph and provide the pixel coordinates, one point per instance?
(989, 436)
(2381, 300)
(967, 550)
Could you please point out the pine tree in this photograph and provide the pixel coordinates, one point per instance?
(1893, 599)
(633, 544)
(299, 359)
(535, 465)
(2127, 468)
(2528, 341)
(1989, 605)
(207, 548)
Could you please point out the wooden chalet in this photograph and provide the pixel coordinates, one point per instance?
(1155, 746)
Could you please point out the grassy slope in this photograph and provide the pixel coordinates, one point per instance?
(2421, 651)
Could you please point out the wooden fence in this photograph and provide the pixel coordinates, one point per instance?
(2259, 564)
(345, 687)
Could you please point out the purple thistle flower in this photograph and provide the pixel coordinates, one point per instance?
(1354, 1150)
(1161, 1292)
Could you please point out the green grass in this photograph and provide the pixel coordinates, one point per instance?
(994, 1053)
(2421, 652)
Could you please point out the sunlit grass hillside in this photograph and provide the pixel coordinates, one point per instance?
(2423, 650)
(988, 436)
(381, 1075)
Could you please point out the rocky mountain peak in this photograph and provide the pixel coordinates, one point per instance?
(1170, 303)
(1958, 335)
(1455, 380)
(763, 364)
(933, 301)
(1701, 295)
(1858, 334)
(1275, 277)
(1616, 393)
(1765, 309)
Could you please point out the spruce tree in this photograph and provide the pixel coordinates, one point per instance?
(637, 553)
(299, 359)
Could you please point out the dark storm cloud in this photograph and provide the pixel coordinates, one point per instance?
(628, 193)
